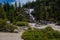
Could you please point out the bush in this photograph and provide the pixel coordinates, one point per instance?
(43, 34)
(2, 24)
(6, 27)
(22, 24)
(10, 28)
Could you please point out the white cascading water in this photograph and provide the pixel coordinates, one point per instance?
(30, 10)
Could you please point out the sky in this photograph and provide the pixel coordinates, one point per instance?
(13, 1)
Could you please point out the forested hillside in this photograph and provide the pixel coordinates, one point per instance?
(11, 12)
(45, 9)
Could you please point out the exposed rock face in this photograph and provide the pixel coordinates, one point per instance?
(28, 14)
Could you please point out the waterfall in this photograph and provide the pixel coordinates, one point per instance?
(30, 10)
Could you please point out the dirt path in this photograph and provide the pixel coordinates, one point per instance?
(11, 36)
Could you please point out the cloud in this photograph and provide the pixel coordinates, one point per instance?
(21, 1)
(24, 1)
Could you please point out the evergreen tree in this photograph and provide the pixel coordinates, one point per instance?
(2, 12)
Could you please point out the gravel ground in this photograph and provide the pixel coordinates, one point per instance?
(55, 27)
(10, 36)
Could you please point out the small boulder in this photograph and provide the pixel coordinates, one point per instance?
(16, 30)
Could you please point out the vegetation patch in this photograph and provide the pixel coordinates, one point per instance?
(20, 23)
(4, 27)
(42, 34)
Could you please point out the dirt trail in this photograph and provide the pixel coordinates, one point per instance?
(11, 36)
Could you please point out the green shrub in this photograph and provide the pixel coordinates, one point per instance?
(22, 24)
(10, 28)
(43, 34)
(6, 27)
(29, 28)
(2, 24)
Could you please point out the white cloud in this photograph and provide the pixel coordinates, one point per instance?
(17, 1)
(21, 1)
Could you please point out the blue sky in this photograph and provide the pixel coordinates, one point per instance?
(13, 1)
(2, 1)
